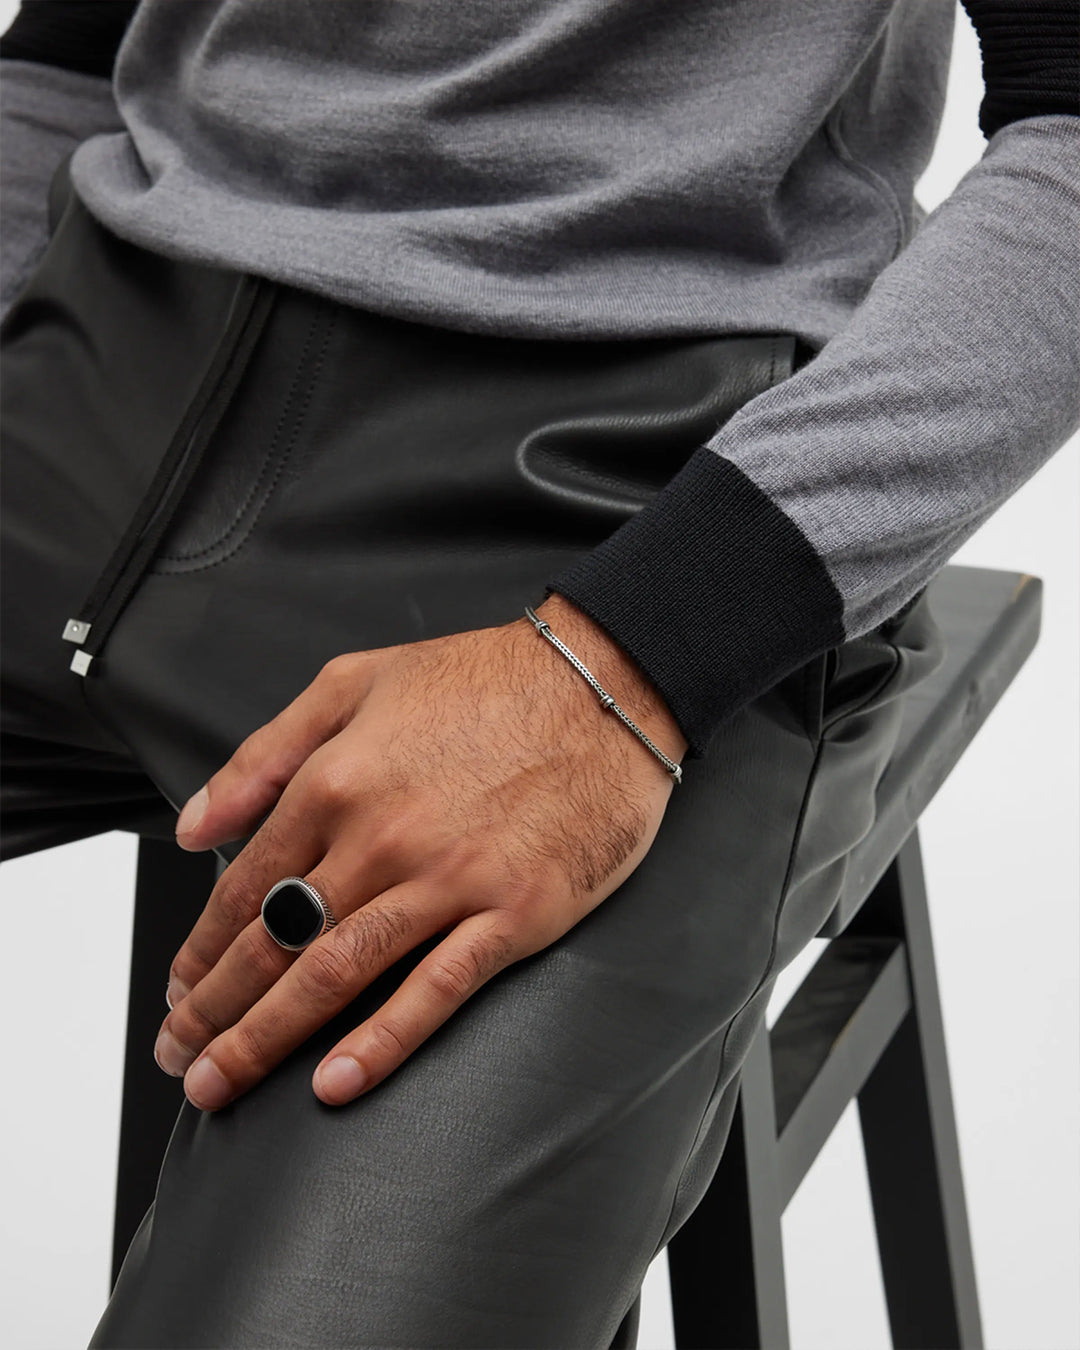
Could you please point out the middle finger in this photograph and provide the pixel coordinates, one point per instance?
(346, 879)
(326, 977)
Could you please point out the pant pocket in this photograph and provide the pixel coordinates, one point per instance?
(863, 675)
(862, 709)
(261, 431)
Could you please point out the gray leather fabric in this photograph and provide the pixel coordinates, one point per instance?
(375, 481)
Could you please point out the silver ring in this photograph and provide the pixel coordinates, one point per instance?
(295, 914)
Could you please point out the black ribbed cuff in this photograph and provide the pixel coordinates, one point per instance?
(714, 592)
(1030, 58)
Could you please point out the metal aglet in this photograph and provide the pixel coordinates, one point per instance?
(76, 630)
(80, 662)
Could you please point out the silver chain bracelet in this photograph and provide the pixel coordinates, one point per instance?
(606, 701)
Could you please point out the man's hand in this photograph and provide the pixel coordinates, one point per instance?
(469, 785)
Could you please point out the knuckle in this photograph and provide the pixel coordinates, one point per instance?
(453, 977)
(201, 958)
(466, 855)
(457, 974)
(328, 888)
(188, 967)
(192, 1025)
(502, 936)
(247, 758)
(233, 903)
(529, 934)
(333, 784)
(260, 956)
(468, 868)
(269, 844)
(337, 668)
(325, 968)
(248, 1044)
(396, 838)
(337, 679)
(389, 1043)
(495, 949)
(535, 887)
(374, 936)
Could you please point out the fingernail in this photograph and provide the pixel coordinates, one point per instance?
(171, 1055)
(206, 1086)
(175, 991)
(341, 1079)
(193, 812)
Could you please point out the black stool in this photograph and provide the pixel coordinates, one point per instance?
(865, 1024)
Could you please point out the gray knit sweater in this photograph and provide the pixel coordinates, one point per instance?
(617, 168)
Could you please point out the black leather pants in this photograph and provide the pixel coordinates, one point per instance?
(366, 481)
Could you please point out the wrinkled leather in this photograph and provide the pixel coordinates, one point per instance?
(373, 482)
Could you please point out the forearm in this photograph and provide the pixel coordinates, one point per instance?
(829, 500)
(824, 505)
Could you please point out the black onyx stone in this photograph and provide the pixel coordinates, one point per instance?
(292, 916)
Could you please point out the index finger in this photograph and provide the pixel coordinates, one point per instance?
(288, 843)
(263, 764)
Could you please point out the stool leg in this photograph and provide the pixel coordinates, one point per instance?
(726, 1263)
(171, 887)
(912, 1151)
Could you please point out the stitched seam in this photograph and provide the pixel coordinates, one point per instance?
(811, 714)
(766, 972)
(834, 140)
(881, 186)
(777, 917)
(268, 459)
(281, 465)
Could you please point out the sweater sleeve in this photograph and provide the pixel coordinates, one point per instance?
(830, 500)
(56, 91)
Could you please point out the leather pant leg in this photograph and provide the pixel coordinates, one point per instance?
(71, 375)
(373, 481)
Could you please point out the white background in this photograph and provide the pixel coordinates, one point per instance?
(1000, 844)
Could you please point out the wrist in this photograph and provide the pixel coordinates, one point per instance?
(615, 669)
